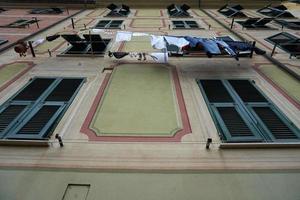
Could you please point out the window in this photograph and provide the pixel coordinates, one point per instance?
(243, 114)
(3, 41)
(281, 38)
(178, 11)
(180, 24)
(232, 11)
(277, 11)
(91, 44)
(35, 110)
(295, 25)
(109, 24)
(21, 23)
(287, 42)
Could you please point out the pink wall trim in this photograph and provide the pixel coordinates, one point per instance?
(17, 76)
(176, 138)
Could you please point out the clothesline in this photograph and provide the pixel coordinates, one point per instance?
(211, 46)
(159, 57)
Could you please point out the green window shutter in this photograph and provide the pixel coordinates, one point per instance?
(215, 91)
(64, 90)
(34, 111)
(235, 127)
(102, 24)
(242, 113)
(115, 24)
(246, 91)
(275, 124)
(109, 24)
(8, 115)
(34, 90)
(192, 24)
(38, 124)
(230, 120)
(178, 24)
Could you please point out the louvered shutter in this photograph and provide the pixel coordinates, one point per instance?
(9, 115)
(65, 90)
(215, 91)
(36, 109)
(233, 125)
(39, 124)
(276, 125)
(34, 90)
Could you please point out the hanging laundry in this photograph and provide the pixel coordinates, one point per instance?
(158, 42)
(192, 40)
(244, 46)
(123, 36)
(160, 57)
(117, 55)
(227, 48)
(139, 34)
(142, 56)
(52, 38)
(178, 41)
(37, 42)
(209, 45)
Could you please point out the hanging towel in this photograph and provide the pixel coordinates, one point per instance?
(37, 42)
(178, 41)
(123, 36)
(160, 57)
(158, 42)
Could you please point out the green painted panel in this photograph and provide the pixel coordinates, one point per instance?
(139, 44)
(9, 71)
(289, 84)
(49, 185)
(139, 100)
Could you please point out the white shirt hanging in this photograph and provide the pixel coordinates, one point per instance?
(180, 42)
(157, 42)
(160, 57)
(123, 36)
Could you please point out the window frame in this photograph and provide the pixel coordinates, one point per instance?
(186, 26)
(245, 109)
(32, 107)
